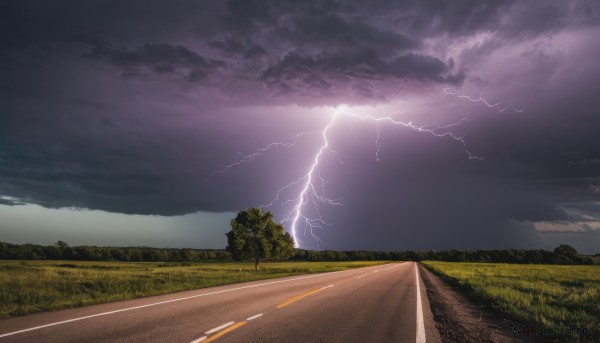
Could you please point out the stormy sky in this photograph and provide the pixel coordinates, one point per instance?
(119, 119)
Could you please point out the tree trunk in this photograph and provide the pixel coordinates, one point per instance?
(256, 264)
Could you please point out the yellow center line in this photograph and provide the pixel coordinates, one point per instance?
(229, 329)
(300, 296)
(296, 297)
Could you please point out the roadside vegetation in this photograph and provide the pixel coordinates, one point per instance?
(550, 295)
(35, 286)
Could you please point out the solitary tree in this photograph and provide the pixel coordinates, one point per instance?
(565, 254)
(254, 235)
(565, 250)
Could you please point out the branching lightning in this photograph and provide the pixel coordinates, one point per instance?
(497, 106)
(309, 191)
(249, 158)
(311, 185)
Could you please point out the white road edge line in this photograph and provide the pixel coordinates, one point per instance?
(254, 317)
(199, 339)
(168, 301)
(420, 323)
(219, 328)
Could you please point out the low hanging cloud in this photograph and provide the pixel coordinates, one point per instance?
(156, 59)
(325, 75)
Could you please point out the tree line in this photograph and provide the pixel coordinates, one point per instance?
(563, 254)
(62, 251)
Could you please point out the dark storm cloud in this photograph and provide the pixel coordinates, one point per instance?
(233, 46)
(45, 23)
(156, 59)
(297, 73)
(327, 31)
(449, 17)
(10, 202)
(331, 47)
(330, 35)
(507, 18)
(127, 107)
(111, 176)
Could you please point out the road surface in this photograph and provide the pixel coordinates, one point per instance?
(384, 303)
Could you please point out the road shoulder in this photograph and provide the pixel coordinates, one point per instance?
(458, 319)
(431, 330)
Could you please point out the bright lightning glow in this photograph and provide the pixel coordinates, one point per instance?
(312, 191)
(309, 190)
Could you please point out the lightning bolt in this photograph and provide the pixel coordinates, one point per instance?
(449, 91)
(309, 192)
(249, 158)
(311, 187)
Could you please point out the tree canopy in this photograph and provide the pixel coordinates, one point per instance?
(565, 250)
(254, 235)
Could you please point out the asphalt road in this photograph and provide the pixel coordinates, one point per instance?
(373, 304)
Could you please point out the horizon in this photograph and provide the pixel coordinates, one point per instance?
(44, 238)
(299, 249)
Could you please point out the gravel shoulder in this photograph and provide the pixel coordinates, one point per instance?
(458, 319)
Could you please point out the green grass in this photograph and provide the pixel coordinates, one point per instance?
(35, 286)
(550, 295)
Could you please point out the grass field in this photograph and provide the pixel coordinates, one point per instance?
(34, 286)
(550, 295)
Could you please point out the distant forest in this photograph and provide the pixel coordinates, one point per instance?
(564, 254)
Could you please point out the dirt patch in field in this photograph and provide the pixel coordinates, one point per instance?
(458, 319)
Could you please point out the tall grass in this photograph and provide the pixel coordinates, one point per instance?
(551, 295)
(34, 286)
